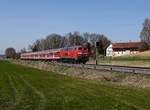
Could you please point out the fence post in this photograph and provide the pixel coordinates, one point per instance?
(110, 68)
(95, 67)
(133, 70)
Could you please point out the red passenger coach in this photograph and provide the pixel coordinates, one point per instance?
(75, 54)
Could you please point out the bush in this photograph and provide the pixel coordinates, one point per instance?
(10, 53)
(143, 47)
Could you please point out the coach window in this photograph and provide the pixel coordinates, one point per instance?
(66, 49)
(80, 48)
(70, 48)
(85, 48)
(74, 48)
(63, 49)
(50, 54)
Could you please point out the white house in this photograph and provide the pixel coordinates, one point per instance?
(120, 49)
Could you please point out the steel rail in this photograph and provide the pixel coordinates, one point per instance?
(117, 68)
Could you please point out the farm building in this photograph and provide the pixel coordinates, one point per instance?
(120, 49)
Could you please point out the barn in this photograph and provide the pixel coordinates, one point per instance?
(124, 48)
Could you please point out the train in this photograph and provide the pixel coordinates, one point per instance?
(74, 54)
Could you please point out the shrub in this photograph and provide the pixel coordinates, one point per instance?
(143, 47)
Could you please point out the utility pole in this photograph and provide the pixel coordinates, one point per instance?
(96, 46)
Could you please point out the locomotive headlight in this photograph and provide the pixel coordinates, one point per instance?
(79, 53)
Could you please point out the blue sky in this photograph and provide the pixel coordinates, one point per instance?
(24, 21)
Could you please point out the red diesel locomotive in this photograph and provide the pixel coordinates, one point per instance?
(75, 54)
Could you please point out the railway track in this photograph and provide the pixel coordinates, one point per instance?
(117, 68)
(125, 69)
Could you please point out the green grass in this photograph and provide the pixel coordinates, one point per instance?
(123, 61)
(133, 58)
(23, 88)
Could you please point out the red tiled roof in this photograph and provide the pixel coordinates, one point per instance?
(126, 45)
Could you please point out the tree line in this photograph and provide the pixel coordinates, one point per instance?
(88, 40)
(54, 41)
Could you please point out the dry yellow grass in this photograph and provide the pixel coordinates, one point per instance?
(144, 54)
(140, 54)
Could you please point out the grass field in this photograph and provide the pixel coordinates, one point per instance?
(141, 59)
(23, 88)
(138, 63)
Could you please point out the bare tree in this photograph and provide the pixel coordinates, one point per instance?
(35, 46)
(143, 47)
(92, 38)
(53, 41)
(145, 33)
(75, 39)
(23, 50)
(10, 53)
(104, 43)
